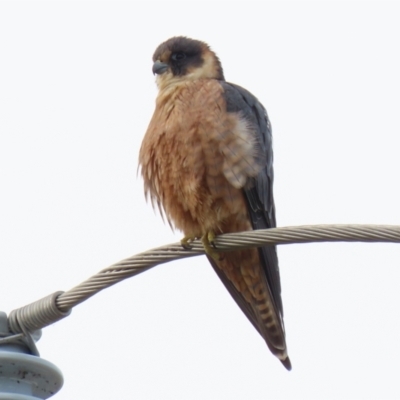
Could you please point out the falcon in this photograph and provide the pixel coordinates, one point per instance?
(206, 161)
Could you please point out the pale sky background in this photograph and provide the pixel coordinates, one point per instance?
(76, 96)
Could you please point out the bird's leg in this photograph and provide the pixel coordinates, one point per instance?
(208, 242)
(187, 240)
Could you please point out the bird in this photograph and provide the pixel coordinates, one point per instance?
(206, 161)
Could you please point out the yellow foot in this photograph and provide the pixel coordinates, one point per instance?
(209, 248)
(186, 242)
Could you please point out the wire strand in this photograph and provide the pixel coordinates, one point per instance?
(59, 305)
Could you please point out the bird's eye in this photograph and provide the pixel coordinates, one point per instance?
(178, 56)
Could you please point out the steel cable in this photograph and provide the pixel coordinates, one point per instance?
(59, 305)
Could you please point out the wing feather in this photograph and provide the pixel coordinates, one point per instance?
(258, 193)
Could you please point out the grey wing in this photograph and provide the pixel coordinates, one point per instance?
(258, 194)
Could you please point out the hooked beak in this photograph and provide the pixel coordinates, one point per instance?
(159, 67)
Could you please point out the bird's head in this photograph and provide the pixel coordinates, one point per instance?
(180, 59)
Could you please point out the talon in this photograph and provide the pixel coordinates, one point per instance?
(186, 242)
(210, 238)
(209, 246)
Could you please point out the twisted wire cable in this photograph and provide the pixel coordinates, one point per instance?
(59, 305)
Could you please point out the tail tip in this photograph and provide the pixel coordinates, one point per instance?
(286, 363)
